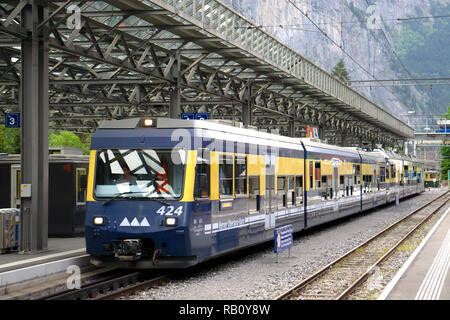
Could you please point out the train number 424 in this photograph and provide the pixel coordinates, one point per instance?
(170, 211)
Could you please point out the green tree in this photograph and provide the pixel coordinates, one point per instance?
(9, 140)
(64, 139)
(341, 72)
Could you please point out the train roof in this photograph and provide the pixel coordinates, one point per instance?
(228, 130)
(52, 158)
(213, 125)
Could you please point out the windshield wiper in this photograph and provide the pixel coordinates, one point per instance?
(117, 196)
(160, 201)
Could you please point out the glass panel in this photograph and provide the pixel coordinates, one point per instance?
(81, 193)
(253, 184)
(145, 173)
(281, 191)
(299, 189)
(240, 171)
(202, 174)
(290, 192)
(226, 175)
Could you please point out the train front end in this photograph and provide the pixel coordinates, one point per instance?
(139, 199)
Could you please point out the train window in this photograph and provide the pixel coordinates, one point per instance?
(140, 173)
(299, 189)
(317, 174)
(382, 174)
(357, 172)
(290, 192)
(342, 186)
(240, 170)
(326, 185)
(254, 202)
(81, 189)
(281, 191)
(226, 175)
(202, 177)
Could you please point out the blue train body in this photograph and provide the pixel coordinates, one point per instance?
(202, 189)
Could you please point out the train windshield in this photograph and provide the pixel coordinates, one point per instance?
(140, 173)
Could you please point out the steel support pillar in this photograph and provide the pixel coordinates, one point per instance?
(175, 95)
(344, 139)
(291, 128)
(175, 105)
(34, 148)
(247, 106)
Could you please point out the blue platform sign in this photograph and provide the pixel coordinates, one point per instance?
(195, 116)
(283, 238)
(12, 120)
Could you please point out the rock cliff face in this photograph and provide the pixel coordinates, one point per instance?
(362, 28)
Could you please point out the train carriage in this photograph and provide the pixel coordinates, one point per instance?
(374, 179)
(67, 192)
(432, 179)
(165, 193)
(332, 182)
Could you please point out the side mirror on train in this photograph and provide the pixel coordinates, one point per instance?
(83, 181)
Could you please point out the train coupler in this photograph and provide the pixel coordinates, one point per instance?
(128, 249)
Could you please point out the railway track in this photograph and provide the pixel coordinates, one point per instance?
(110, 286)
(341, 277)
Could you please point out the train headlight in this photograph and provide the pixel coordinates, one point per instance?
(148, 122)
(98, 221)
(170, 222)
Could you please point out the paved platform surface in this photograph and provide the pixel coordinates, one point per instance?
(425, 276)
(58, 248)
(61, 253)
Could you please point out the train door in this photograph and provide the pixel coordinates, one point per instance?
(270, 198)
(15, 186)
(335, 179)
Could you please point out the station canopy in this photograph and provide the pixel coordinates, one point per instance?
(127, 58)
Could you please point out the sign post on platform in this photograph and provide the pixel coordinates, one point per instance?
(12, 120)
(283, 239)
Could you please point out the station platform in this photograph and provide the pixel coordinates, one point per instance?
(61, 253)
(424, 276)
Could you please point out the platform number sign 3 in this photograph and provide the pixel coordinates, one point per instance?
(12, 120)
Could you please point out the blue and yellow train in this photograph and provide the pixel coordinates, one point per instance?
(169, 193)
(432, 179)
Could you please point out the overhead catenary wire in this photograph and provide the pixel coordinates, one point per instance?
(340, 47)
(300, 27)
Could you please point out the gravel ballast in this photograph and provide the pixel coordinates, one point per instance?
(257, 275)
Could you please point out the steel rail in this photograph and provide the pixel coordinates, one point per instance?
(133, 288)
(314, 276)
(91, 290)
(370, 270)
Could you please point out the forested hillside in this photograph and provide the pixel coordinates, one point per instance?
(389, 39)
